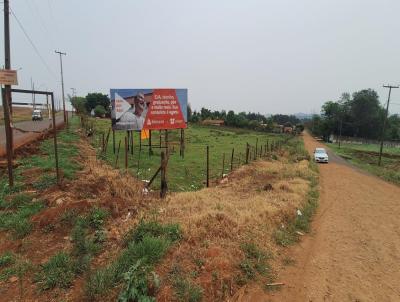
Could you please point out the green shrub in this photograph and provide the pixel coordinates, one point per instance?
(16, 201)
(6, 259)
(171, 232)
(44, 182)
(99, 111)
(59, 271)
(146, 245)
(97, 217)
(186, 290)
(18, 221)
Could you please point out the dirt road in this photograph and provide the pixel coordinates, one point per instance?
(353, 252)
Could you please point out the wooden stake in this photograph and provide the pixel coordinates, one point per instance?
(164, 186)
(131, 142)
(208, 169)
(113, 138)
(116, 159)
(126, 153)
(233, 152)
(247, 153)
(223, 165)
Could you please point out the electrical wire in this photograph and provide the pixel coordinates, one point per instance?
(33, 45)
(42, 23)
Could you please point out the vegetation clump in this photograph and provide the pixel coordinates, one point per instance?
(145, 246)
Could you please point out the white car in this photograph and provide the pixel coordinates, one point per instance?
(320, 155)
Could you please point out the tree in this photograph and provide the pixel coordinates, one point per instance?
(230, 118)
(366, 113)
(189, 112)
(94, 99)
(79, 103)
(99, 111)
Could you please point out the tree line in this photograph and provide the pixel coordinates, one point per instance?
(98, 102)
(357, 115)
(249, 120)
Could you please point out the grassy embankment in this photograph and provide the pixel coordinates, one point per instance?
(34, 175)
(188, 173)
(227, 234)
(365, 156)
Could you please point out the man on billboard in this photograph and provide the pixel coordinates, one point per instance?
(133, 118)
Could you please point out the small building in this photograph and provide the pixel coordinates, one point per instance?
(213, 122)
(287, 129)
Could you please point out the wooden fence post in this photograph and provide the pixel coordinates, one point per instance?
(223, 165)
(131, 142)
(106, 142)
(113, 138)
(233, 152)
(208, 169)
(116, 159)
(126, 153)
(247, 153)
(127, 134)
(164, 186)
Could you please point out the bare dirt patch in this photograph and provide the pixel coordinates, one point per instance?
(353, 253)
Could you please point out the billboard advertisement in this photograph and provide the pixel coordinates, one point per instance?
(151, 109)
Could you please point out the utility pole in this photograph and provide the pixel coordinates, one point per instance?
(384, 120)
(62, 84)
(73, 95)
(33, 94)
(7, 103)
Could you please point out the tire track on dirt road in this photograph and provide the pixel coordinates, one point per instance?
(353, 251)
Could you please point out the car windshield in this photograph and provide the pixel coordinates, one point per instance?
(320, 151)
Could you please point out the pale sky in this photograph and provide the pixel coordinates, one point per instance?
(283, 56)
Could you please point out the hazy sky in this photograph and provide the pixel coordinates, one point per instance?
(261, 56)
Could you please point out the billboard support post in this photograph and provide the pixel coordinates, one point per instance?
(126, 153)
(166, 141)
(150, 149)
(208, 167)
(116, 159)
(132, 144)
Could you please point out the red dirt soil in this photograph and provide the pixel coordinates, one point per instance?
(353, 252)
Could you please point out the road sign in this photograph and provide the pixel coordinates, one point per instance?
(8, 77)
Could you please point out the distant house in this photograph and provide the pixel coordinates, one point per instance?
(278, 129)
(287, 129)
(213, 122)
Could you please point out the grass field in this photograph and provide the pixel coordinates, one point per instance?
(188, 173)
(368, 148)
(365, 156)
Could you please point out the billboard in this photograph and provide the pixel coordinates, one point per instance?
(152, 109)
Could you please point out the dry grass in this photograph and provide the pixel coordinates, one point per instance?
(216, 221)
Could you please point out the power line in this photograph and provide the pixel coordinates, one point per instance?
(42, 23)
(33, 45)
